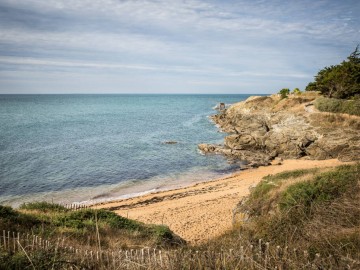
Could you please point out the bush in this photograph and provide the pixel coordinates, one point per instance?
(296, 91)
(284, 93)
(14, 219)
(271, 181)
(338, 105)
(162, 233)
(324, 187)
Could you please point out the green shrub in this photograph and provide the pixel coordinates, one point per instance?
(43, 207)
(87, 218)
(338, 105)
(271, 181)
(162, 233)
(12, 218)
(296, 91)
(324, 187)
(116, 221)
(284, 93)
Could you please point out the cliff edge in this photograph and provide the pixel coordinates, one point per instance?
(265, 129)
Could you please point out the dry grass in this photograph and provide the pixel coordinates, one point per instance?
(336, 120)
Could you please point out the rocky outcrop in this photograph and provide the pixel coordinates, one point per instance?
(264, 128)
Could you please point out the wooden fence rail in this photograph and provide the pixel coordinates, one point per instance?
(260, 256)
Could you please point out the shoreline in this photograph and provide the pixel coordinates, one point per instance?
(202, 211)
(90, 196)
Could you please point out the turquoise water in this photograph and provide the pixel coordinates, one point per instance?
(80, 148)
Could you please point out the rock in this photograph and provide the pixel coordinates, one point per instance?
(351, 153)
(225, 151)
(170, 142)
(209, 148)
(277, 161)
(240, 142)
(327, 147)
(264, 128)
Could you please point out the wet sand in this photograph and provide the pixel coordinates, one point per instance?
(203, 211)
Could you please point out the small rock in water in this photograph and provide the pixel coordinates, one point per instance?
(170, 142)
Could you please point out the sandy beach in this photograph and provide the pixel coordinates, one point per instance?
(203, 211)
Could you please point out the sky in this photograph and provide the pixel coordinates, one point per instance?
(171, 46)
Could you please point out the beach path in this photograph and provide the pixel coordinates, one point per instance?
(203, 211)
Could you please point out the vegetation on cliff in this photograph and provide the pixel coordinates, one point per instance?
(315, 210)
(89, 229)
(334, 105)
(339, 81)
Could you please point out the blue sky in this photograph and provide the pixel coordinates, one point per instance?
(171, 46)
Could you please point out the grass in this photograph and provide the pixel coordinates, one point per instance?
(334, 120)
(324, 187)
(85, 226)
(272, 181)
(320, 214)
(44, 207)
(338, 105)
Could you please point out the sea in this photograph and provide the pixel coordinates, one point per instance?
(96, 148)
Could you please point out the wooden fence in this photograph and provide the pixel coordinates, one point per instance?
(260, 256)
(75, 206)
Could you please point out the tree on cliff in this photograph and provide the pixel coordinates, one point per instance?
(339, 81)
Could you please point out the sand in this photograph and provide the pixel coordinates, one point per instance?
(203, 211)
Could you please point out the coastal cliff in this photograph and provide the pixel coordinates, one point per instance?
(265, 129)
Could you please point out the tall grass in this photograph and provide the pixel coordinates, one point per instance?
(338, 105)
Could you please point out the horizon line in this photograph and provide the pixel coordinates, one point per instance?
(136, 93)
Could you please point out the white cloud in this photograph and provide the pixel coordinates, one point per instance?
(215, 40)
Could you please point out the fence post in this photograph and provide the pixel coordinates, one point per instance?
(241, 253)
(113, 259)
(8, 243)
(278, 257)
(33, 242)
(260, 246)
(316, 260)
(148, 253)
(18, 239)
(155, 256)
(161, 262)
(266, 254)
(4, 235)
